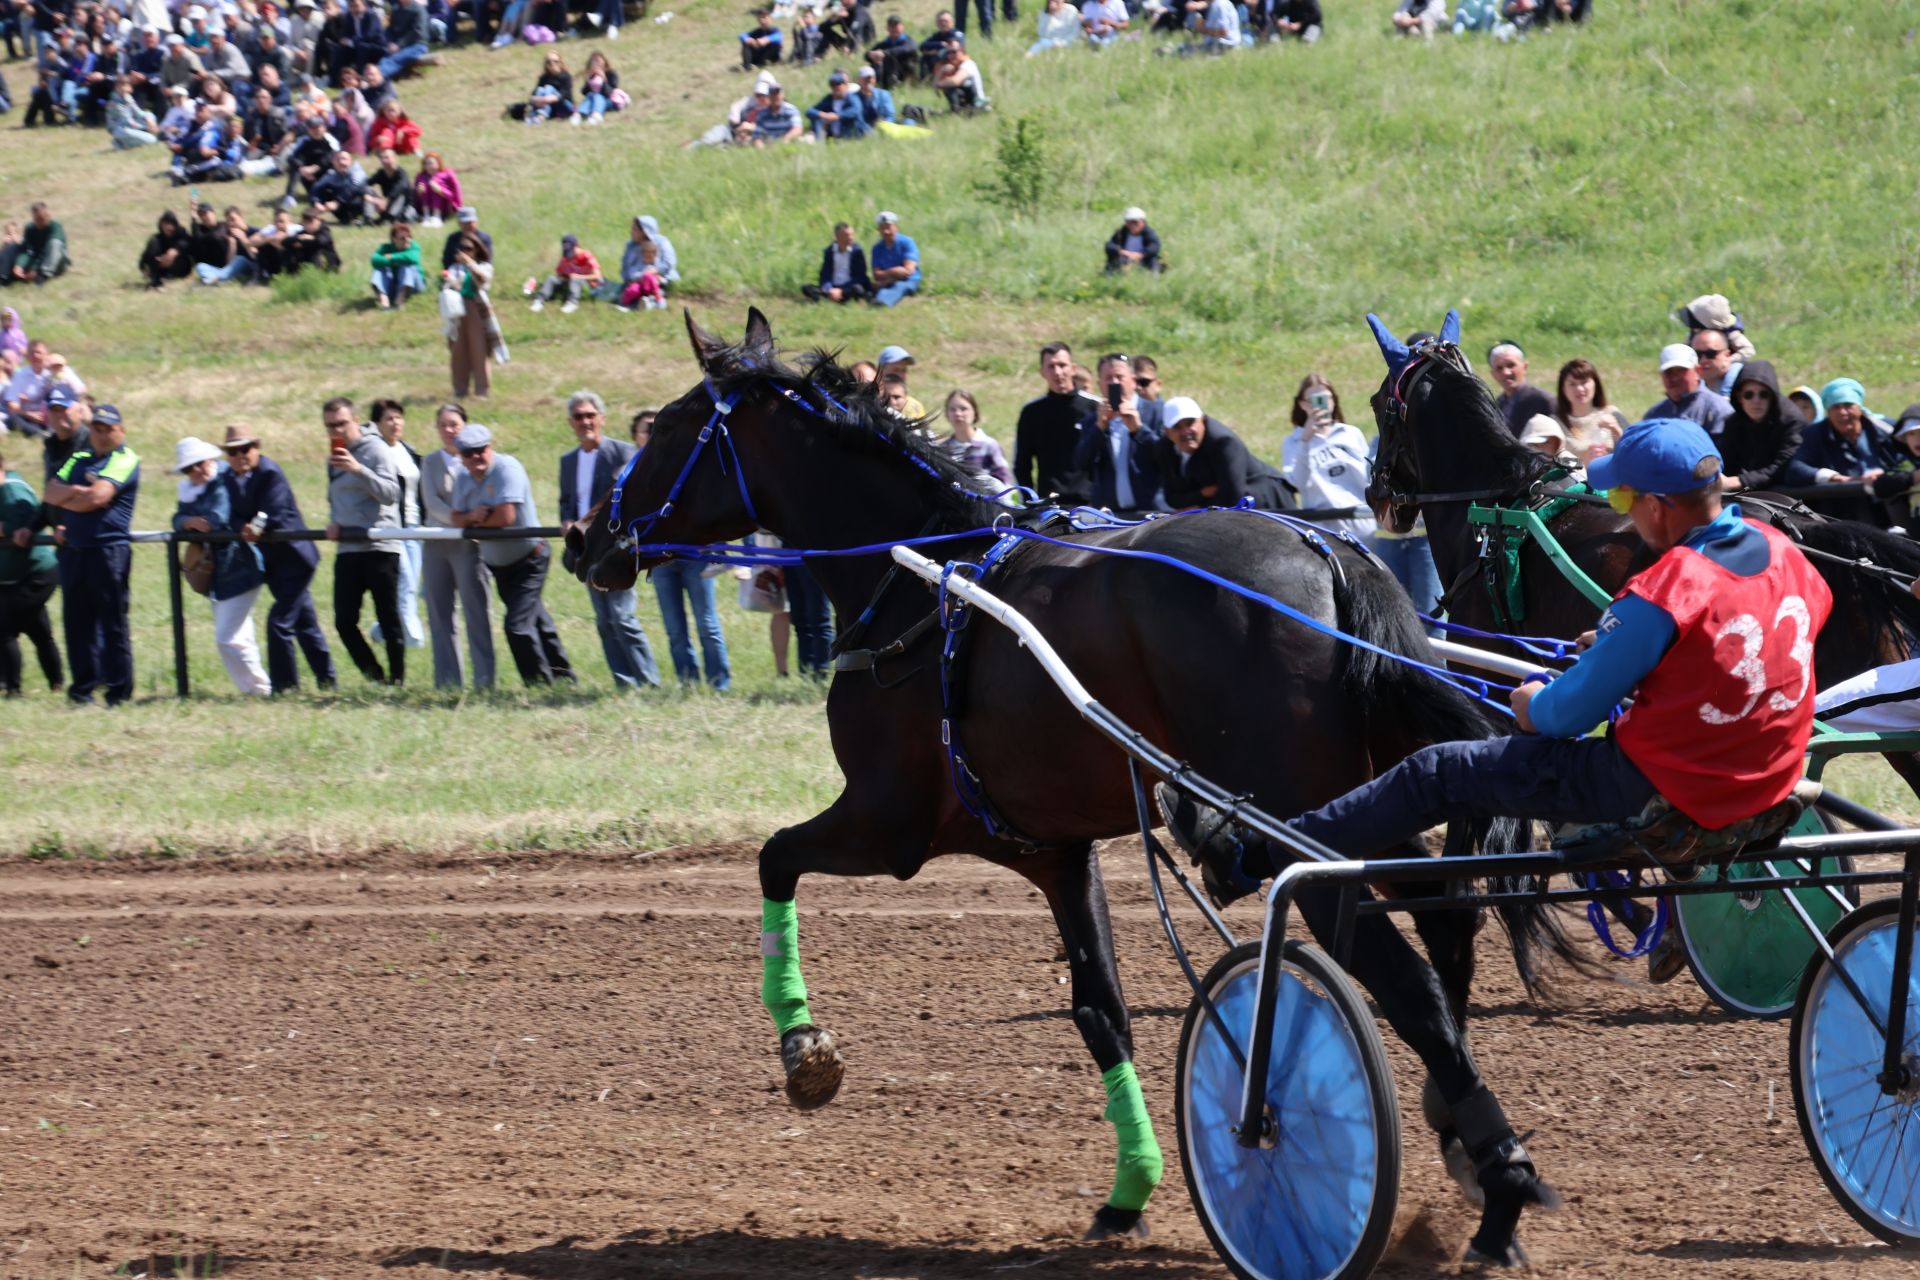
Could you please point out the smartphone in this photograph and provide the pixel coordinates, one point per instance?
(1320, 400)
(1114, 395)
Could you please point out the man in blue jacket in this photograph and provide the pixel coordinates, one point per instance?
(875, 103)
(843, 270)
(263, 502)
(838, 115)
(586, 475)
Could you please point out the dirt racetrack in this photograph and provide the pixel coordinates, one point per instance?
(559, 1067)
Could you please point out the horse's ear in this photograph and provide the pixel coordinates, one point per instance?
(1392, 349)
(705, 345)
(1450, 327)
(759, 334)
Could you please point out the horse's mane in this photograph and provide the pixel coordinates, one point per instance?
(1887, 610)
(1466, 411)
(866, 425)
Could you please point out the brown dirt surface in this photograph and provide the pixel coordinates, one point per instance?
(559, 1068)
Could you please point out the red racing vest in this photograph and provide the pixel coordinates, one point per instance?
(1720, 725)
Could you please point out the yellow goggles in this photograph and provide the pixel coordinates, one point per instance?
(1621, 498)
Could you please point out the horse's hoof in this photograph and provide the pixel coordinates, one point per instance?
(1459, 1165)
(1112, 1224)
(814, 1067)
(1514, 1255)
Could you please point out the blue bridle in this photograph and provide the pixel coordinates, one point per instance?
(634, 531)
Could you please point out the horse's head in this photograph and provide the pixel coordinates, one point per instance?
(1397, 480)
(687, 486)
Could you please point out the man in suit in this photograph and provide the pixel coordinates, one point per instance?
(263, 502)
(843, 270)
(1115, 462)
(1203, 464)
(586, 475)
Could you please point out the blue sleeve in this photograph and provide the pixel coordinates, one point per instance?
(1634, 636)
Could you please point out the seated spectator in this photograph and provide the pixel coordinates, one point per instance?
(168, 255)
(13, 337)
(142, 70)
(599, 89)
(1762, 436)
(1058, 27)
(31, 387)
(406, 37)
(1419, 17)
(843, 270)
(809, 41)
(1325, 460)
(895, 260)
(647, 266)
(737, 128)
(1847, 445)
(268, 245)
(933, 50)
(1686, 398)
(224, 59)
(893, 55)
(396, 268)
(849, 27)
(958, 77)
(574, 275)
(351, 39)
(552, 95)
(393, 130)
(389, 194)
(1104, 21)
(128, 123)
(222, 251)
(310, 246)
(309, 157)
(1296, 20)
(1470, 16)
(776, 122)
(1135, 244)
(970, 446)
(180, 67)
(875, 103)
(1592, 426)
(837, 115)
(199, 156)
(269, 53)
(760, 47)
(342, 190)
(436, 191)
(1216, 22)
(304, 29)
(1203, 464)
(264, 126)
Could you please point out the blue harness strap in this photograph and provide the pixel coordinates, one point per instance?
(955, 613)
(1646, 939)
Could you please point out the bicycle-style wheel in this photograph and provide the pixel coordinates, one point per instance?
(1748, 950)
(1318, 1202)
(1865, 1141)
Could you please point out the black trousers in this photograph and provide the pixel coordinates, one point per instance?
(293, 623)
(537, 651)
(23, 612)
(93, 610)
(354, 576)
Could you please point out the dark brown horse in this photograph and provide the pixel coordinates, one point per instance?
(1255, 700)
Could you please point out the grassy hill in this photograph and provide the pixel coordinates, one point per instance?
(1568, 191)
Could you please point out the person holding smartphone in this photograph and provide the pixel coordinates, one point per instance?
(1325, 459)
(1115, 463)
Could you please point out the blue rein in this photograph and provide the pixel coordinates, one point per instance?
(634, 530)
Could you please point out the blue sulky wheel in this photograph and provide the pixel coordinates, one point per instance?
(1865, 1141)
(1749, 950)
(1318, 1202)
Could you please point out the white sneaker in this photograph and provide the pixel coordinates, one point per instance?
(539, 304)
(570, 307)
(575, 120)
(613, 33)
(594, 18)
(596, 118)
(623, 308)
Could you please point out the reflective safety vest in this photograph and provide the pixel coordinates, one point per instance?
(1720, 726)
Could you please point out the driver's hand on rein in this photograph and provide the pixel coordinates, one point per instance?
(1519, 699)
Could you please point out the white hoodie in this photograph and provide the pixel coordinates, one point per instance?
(1330, 469)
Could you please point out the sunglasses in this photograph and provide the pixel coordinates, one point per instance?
(474, 453)
(1621, 499)
(586, 415)
(1709, 355)
(1755, 393)
(235, 450)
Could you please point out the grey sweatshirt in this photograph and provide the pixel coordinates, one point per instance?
(363, 499)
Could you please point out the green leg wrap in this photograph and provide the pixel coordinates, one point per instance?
(1138, 1170)
(782, 990)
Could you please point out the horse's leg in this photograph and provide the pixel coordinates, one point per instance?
(1448, 937)
(1070, 879)
(832, 843)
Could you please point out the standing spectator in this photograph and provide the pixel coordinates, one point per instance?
(1712, 314)
(451, 569)
(893, 55)
(1048, 430)
(1325, 459)
(1686, 398)
(494, 494)
(647, 266)
(363, 493)
(895, 260)
(1762, 435)
(1146, 378)
(43, 247)
(1717, 365)
(843, 269)
(1115, 458)
(587, 472)
(760, 47)
(1592, 426)
(467, 312)
(27, 579)
(986, 18)
(206, 506)
(396, 268)
(1058, 27)
(263, 502)
(1135, 244)
(894, 364)
(1519, 400)
(1204, 464)
(390, 420)
(679, 584)
(640, 428)
(436, 192)
(575, 274)
(95, 491)
(68, 417)
(1296, 19)
(973, 448)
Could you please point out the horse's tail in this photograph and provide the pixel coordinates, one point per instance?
(1414, 709)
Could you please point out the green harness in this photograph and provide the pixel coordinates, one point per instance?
(1504, 534)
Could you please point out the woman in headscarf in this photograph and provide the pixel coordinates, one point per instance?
(1759, 442)
(12, 337)
(1846, 446)
(647, 266)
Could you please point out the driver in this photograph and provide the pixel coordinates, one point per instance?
(1713, 642)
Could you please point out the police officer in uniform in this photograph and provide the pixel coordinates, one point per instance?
(95, 491)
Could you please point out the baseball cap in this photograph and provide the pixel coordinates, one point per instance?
(1133, 213)
(107, 415)
(59, 396)
(1660, 455)
(467, 214)
(1678, 355)
(838, 77)
(867, 73)
(885, 216)
(894, 355)
(1909, 420)
(174, 37)
(472, 436)
(1180, 408)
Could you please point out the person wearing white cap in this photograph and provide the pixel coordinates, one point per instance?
(895, 260)
(1686, 398)
(1203, 464)
(234, 578)
(892, 364)
(1135, 244)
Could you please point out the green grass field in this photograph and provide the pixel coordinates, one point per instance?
(1567, 191)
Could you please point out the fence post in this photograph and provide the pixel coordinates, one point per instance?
(179, 618)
